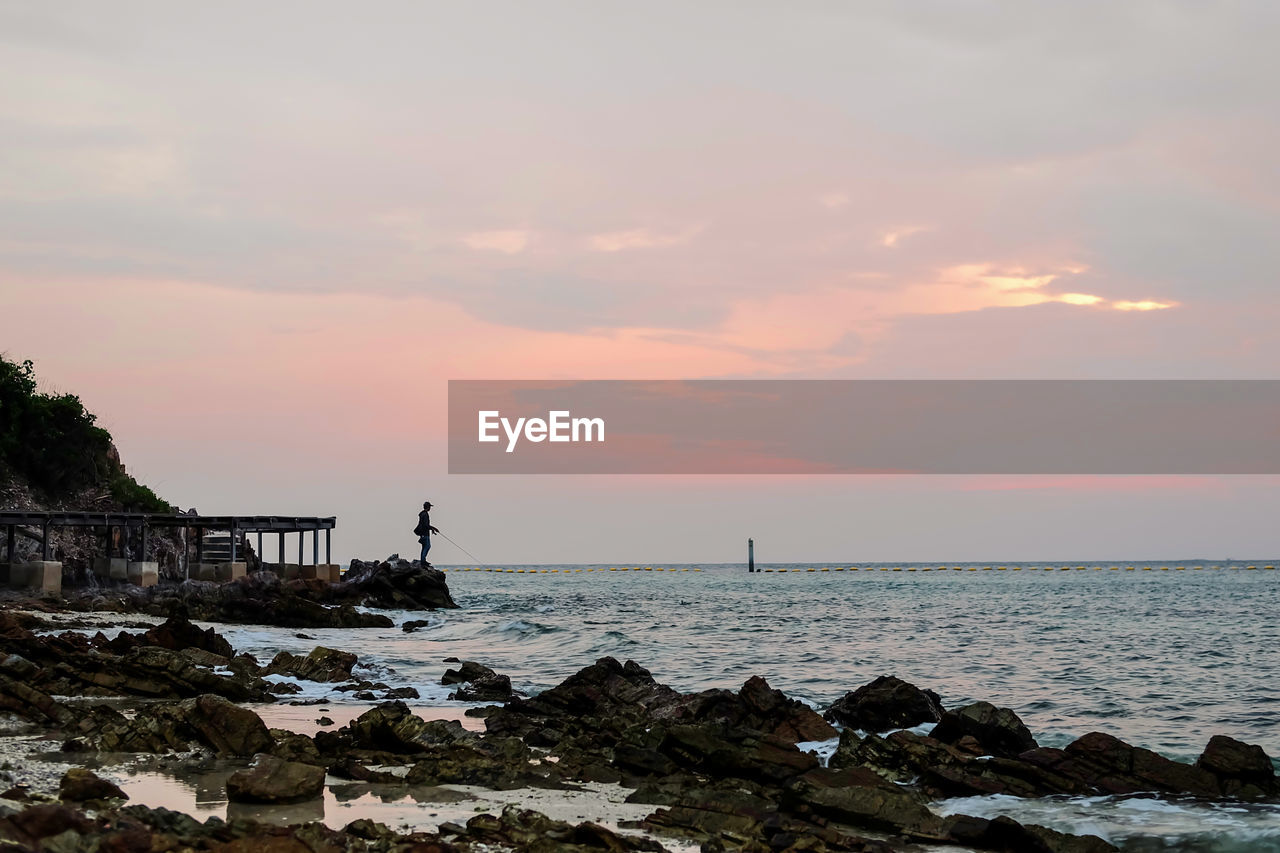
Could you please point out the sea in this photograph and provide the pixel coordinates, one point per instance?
(1162, 654)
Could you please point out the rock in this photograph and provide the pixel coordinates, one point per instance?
(859, 797)
(773, 712)
(79, 784)
(1004, 833)
(394, 584)
(176, 634)
(607, 698)
(1243, 770)
(260, 598)
(884, 704)
(998, 730)
(321, 664)
(481, 684)
(31, 704)
(324, 721)
(414, 624)
(273, 780)
(210, 721)
(389, 727)
(899, 756)
(1114, 767)
(227, 728)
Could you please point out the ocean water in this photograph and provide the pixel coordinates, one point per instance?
(1162, 657)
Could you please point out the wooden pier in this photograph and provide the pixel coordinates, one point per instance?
(115, 560)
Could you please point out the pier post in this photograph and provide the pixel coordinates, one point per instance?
(751, 555)
(44, 541)
(261, 562)
(233, 539)
(328, 557)
(315, 547)
(199, 545)
(302, 538)
(281, 557)
(11, 542)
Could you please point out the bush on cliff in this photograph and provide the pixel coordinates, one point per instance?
(53, 443)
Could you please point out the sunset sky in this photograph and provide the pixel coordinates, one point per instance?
(258, 239)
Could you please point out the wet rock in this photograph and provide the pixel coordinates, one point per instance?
(859, 797)
(260, 598)
(721, 751)
(886, 703)
(607, 698)
(18, 698)
(480, 683)
(176, 634)
(321, 664)
(392, 728)
(997, 730)
(899, 756)
(414, 624)
(291, 746)
(33, 824)
(396, 585)
(1004, 833)
(1243, 770)
(523, 829)
(79, 784)
(759, 707)
(273, 780)
(1114, 767)
(210, 721)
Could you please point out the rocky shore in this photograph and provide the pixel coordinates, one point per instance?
(716, 769)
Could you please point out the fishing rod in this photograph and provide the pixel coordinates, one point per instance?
(463, 550)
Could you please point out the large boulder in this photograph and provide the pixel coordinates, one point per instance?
(478, 683)
(997, 730)
(396, 584)
(208, 721)
(1114, 767)
(273, 780)
(609, 697)
(321, 664)
(1243, 770)
(176, 634)
(261, 598)
(884, 704)
(79, 785)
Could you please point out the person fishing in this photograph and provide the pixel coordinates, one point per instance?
(424, 530)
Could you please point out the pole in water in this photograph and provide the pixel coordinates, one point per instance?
(751, 555)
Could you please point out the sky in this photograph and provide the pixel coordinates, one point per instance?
(259, 239)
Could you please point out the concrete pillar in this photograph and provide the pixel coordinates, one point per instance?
(206, 571)
(310, 573)
(333, 572)
(44, 576)
(115, 568)
(291, 571)
(17, 575)
(144, 573)
(231, 571)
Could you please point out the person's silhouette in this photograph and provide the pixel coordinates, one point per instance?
(424, 530)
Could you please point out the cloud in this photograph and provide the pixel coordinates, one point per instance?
(890, 239)
(641, 238)
(509, 242)
(833, 200)
(1142, 305)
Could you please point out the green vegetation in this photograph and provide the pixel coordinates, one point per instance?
(51, 442)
